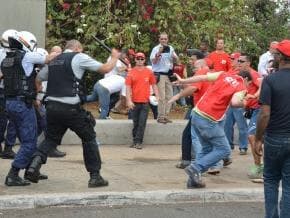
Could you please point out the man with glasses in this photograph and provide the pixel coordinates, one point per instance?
(236, 115)
(138, 83)
(252, 107)
(274, 121)
(162, 57)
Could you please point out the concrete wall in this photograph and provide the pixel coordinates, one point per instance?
(27, 15)
(119, 132)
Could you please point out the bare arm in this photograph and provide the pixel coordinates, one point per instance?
(107, 67)
(238, 99)
(185, 92)
(130, 104)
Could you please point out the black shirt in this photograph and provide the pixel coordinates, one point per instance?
(275, 92)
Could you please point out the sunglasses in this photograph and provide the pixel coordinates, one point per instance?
(140, 59)
(232, 59)
(241, 61)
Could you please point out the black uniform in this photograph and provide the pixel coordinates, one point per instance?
(61, 116)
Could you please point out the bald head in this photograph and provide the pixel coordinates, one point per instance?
(74, 45)
(199, 64)
(57, 49)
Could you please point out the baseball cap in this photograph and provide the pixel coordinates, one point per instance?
(235, 55)
(139, 55)
(283, 47)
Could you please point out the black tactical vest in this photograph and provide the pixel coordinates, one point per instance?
(16, 83)
(61, 79)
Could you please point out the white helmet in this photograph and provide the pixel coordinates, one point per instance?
(28, 40)
(42, 51)
(5, 35)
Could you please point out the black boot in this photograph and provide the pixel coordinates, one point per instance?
(56, 153)
(32, 173)
(97, 180)
(40, 177)
(13, 179)
(8, 153)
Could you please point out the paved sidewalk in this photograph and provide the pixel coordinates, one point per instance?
(148, 175)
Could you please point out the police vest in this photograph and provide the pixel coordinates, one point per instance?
(61, 79)
(16, 83)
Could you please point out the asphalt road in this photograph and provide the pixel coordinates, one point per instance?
(195, 210)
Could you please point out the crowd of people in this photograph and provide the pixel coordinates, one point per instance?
(44, 92)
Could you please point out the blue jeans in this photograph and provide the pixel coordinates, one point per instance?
(253, 122)
(104, 99)
(236, 115)
(277, 168)
(195, 143)
(214, 144)
(24, 120)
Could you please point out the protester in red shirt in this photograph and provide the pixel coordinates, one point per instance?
(221, 60)
(138, 83)
(252, 109)
(208, 120)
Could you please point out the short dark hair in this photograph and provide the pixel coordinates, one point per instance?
(246, 75)
(248, 57)
(196, 52)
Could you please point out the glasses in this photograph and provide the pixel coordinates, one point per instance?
(241, 61)
(232, 59)
(140, 59)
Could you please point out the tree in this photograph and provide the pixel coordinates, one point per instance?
(245, 25)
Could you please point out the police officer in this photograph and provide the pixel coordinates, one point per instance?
(7, 153)
(64, 110)
(19, 80)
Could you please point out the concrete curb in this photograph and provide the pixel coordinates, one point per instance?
(131, 198)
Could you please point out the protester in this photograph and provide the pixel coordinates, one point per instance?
(208, 120)
(273, 128)
(138, 84)
(221, 59)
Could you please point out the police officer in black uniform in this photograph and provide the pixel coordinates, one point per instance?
(64, 109)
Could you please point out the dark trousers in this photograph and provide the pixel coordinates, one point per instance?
(61, 117)
(186, 142)
(139, 116)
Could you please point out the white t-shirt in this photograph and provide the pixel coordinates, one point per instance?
(114, 83)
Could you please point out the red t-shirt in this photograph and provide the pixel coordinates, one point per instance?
(252, 89)
(221, 61)
(201, 86)
(233, 71)
(217, 98)
(178, 69)
(140, 79)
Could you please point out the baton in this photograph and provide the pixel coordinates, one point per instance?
(108, 48)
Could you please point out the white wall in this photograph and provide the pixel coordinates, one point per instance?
(27, 15)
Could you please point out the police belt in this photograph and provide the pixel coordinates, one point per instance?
(62, 106)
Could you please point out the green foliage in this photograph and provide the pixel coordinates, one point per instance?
(245, 25)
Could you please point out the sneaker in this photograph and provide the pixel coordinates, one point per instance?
(167, 120)
(256, 172)
(261, 180)
(194, 180)
(213, 171)
(115, 111)
(227, 162)
(97, 181)
(138, 146)
(243, 151)
(133, 145)
(161, 120)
